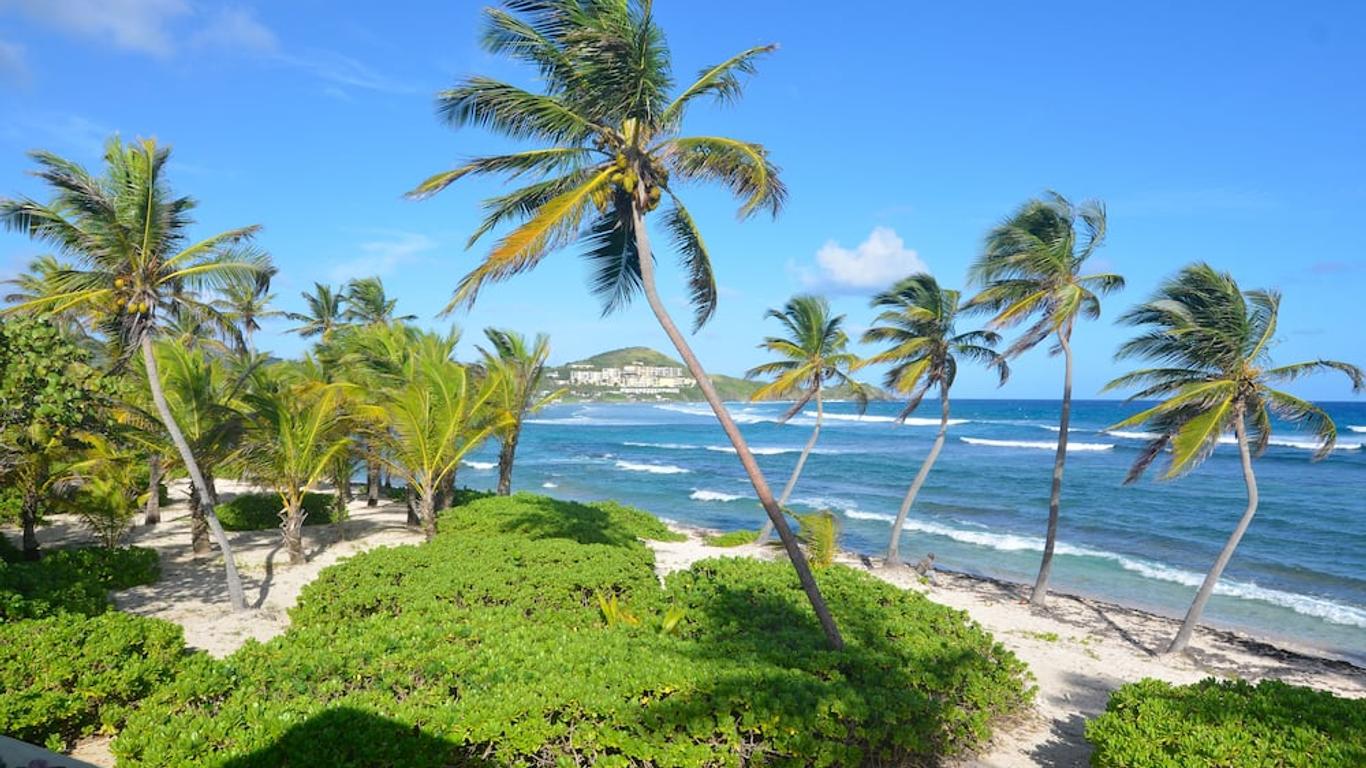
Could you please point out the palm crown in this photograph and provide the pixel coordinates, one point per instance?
(126, 234)
(815, 352)
(612, 148)
(324, 312)
(1032, 265)
(1213, 341)
(918, 323)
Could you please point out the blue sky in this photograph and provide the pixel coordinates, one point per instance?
(1229, 132)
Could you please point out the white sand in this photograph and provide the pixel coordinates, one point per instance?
(1078, 649)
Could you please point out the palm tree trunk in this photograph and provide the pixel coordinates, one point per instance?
(235, 594)
(506, 455)
(292, 531)
(153, 507)
(894, 546)
(767, 529)
(371, 483)
(199, 525)
(1040, 595)
(413, 519)
(426, 504)
(756, 477)
(1183, 635)
(32, 481)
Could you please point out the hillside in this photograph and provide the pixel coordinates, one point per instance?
(628, 356)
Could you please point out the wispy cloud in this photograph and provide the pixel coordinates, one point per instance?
(382, 256)
(873, 264)
(64, 133)
(342, 70)
(13, 67)
(135, 25)
(236, 28)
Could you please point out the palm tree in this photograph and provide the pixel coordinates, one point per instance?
(1031, 266)
(324, 312)
(367, 303)
(296, 432)
(520, 367)
(134, 266)
(1213, 342)
(611, 150)
(436, 415)
(917, 323)
(246, 303)
(813, 354)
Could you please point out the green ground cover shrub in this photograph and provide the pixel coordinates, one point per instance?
(490, 646)
(730, 538)
(72, 580)
(1228, 724)
(261, 511)
(68, 676)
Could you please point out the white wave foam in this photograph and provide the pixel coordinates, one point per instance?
(480, 465)
(1356, 428)
(1131, 435)
(657, 469)
(1305, 445)
(911, 421)
(664, 446)
(1036, 444)
(704, 495)
(548, 484)
(855, 514)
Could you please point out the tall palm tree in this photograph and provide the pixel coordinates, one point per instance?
(813, 354)
(297, 430)
(324, 312)
(918, 325)
(436, 414)
(245, 303)
(1031, 267)
(367, 304)
(1213, 342)
(520, 366)
(134, 265)
(611, 149)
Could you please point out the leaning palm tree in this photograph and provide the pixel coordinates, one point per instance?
(134, 265)
(1213, 342)
(296, 431)
(611, 150)
(520, 366)
(436, 415)
(324, 312)
(813, 354)
(917, 323)
(1032, 267)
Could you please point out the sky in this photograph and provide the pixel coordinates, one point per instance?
(1229, 132)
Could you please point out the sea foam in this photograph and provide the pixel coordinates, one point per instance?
(657, 469)
(910, 421)
(705, 495)
(480, 465)
(1036, 444)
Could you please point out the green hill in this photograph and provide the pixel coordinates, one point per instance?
(616, 358)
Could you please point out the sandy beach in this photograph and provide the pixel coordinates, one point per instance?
(1078, 649)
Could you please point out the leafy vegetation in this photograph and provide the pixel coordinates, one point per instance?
(1227, 723)
(72, 581)
(730, 538)
(491, 645)
(261, 511)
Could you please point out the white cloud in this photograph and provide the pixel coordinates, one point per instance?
(137, 25)
(380, 257)
(236, 28)
(342, 70)
(13, 68)
(873, 264)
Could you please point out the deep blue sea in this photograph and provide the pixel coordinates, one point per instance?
(1299, 574)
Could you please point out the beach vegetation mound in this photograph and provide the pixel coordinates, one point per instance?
(731, 538)
(75, 581)
(532, 631)
(261, 511)
(1221, 723)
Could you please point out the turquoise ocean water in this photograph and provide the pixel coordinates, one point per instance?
(1299, 574)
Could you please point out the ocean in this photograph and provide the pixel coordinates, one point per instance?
(1299, 574)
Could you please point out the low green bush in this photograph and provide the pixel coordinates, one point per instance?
(72, 581)
(493, 645)
(261, 511)
(730, 538)
(68, 676)
(1228, 724)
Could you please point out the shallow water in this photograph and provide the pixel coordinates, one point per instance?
(1299, 574)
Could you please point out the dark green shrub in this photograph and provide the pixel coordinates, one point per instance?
(261, 511)
(10, 502)
(730, 538)
(488, 646)
(1228, 724)
(73, 581)
(67, 676)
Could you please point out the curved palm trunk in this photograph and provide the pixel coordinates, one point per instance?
(767, 529)
(199, 524)
(507, 454)
(1040, 595)
(235, 594)
(371, 482)
(1183, 635)
(761, 489)
(32, 481)
(894, 546)
(153, 507)
(292, 530)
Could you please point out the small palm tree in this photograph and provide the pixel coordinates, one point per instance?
(1213, 342)
(813, 354)
(436, 415)
(1032, 267)
(245, 303)
(611, 150)
(134, 266)
(520, 366)
(917, 323)
(295, 433)
(324, 312)
(367, 303)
